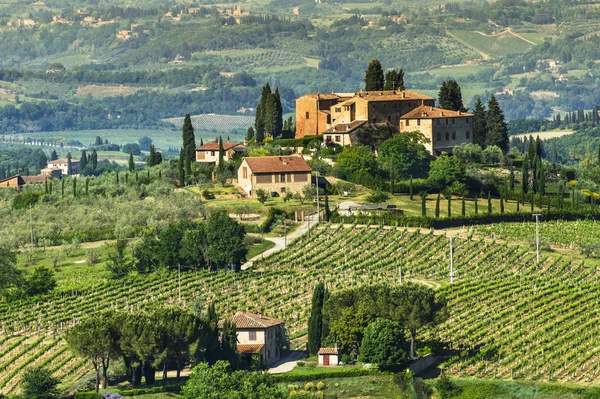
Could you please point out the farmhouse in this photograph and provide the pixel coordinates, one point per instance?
(443, 128)
(62, 164)
(18, 181)
(209, 152)
(278, 174)
(318, 114)
(258, 335)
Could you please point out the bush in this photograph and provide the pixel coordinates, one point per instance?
(331, 373)
(88, 395)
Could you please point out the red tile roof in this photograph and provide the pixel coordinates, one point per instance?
(288, 163)
(63, 160)
(392, 95)
(248, 320)
(215, 146)
(323, 96)
(345, 127)
(253, 349)
(425, 112)
(328, 351)
(34, 179)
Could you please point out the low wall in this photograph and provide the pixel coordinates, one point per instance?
(422, 363)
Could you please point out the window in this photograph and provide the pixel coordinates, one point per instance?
(307, 115)
(408, 122)
(418, 122)
(439, 136)
(252, 336)
(282, 177)
(328, 119)
(468, 135)
(338, 139)
(453, 135)
(338, 109)
(244, 172)
(282, 190)
(446, 121)
(453, 121)
(389, 118)
(447, 136)
(467, 120)
(212, 153)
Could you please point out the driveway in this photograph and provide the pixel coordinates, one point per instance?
(286, 364)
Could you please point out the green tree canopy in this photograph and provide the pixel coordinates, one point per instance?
(394, 79)
(374, 76)
(38, 383)
(450, 96)
(383, 343)
(357, 158)
(497, 131)
(446, 170)
(479, 124)
(410, 157)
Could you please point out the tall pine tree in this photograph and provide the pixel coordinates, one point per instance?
(188, 152)
(83, 160)
(278, 123)
(69, 164)
(479, 123)
(315, 321)
(450, 96)
(261, 117)
(394, 79)
(374, 76)
(497, 132)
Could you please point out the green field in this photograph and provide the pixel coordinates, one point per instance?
(510, 317)
(495, 46)
(460, 71)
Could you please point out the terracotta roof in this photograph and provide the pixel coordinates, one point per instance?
(345, 127)
(249, 348)
(323, 96)
(392, 95)
(288, 163)
(215, 146)
(425, 112)
(328, 351)
(63, 160)
(34, 179)
(248, 320)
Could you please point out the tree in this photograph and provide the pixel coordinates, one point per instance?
(327, 214)
(69, 165)
(446, 170)
(145, 142)
(218, 382)
(410, 157)
(374, 76)
(511, 179)
(221, 161)
(43, 160)
(394, 79)
(261, 195)
(133, 148)
(260, 121)
(95, 338)
(181, 169)
(131, 163)
(479, 124)
(188, 152)
(489, 202)
(525, 175)
(423, 195)
(357, 158)
(250, 134)
(94, 159)
(315, 321)
(383, 343)
(446, 388)
(278, 115)
(450, 96)
(497, 132)
(415, 306)
(40, 282)
(437, 206)
(38, 383)
(83, 160)
(53, 155)
(229, 343)
(117, 264)
(226, 238)
(11, 276)
(153, 158)
(377, 197)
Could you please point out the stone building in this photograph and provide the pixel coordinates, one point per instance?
(209, 153)
(443, 128)
(258, 335)
(317, 114)
(276, 174)
(62, 164)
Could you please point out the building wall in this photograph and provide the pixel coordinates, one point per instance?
(14, 182)
(333, 360)
(244, 337)
(213, 156)
(268, 337)
(250, 182)
(444, 133)
(338, 138)
(304, 126)
(64, 167)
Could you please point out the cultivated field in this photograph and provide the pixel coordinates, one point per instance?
(503, 304)
(493, 45)
(220, 123)
(546, 135)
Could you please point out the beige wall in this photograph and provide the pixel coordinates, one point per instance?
(268, 337)
(14, 182)
(64, 167)
(333, 360)
(338, 138)
(213, 156)
(444, 133)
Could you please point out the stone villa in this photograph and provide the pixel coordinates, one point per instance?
(274, 174)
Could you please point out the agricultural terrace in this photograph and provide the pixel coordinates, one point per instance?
(502, 305)
(495, 46)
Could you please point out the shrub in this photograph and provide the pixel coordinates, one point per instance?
(309, 386)
(321, 385)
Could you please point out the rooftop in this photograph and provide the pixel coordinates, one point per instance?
(215, 146)
(249, 348)
(328, 351)
(425, 112)
(278, 164)
(392, 95)
(63, 160)
(248, 320)
(345, 127)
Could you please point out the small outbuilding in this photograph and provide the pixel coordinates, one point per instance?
(328, 356)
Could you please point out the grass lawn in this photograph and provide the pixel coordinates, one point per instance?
(373, 386)
(258, 249)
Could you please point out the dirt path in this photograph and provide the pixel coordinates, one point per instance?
(481, 53)
(286, 364)
(509, 30)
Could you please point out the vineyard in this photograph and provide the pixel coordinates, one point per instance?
(510, 316)
(220, 123)
(494, 45)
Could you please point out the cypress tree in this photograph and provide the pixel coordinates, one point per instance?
(87, 185)
(532, 200)
(94, 159)
(126, 177)
(464, 207)
(159, 174)
(250, 134)
(410, 188)
(541, 179)
(53, 155)
(327, 214)
(538, 147)
(476, 205)
(69, 164)
(278, 114)
(315, 321)
(437, 207)
(46, 185)
(117, 178)
(189, 144)
(260, 120)
(131, 163)
(74, 187)
(490, 202)
(394, 79)
(50, 187)
(148, 174)
(83, 160)
(479, 124)
(181, 173)
(221, 151)
(502, 205)
(519, 202)
(531, 150)
(392, 176)
(152, 157)
(374, 76)
(511, 179)
(423, 195)
(525, 176)
(450, 96)
(497, 132)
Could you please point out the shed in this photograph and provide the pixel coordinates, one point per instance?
(328, 356)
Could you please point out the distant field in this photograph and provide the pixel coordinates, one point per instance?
(546, 135)
(100, 91)
(460, 71)
(492, 45)
(220, 123)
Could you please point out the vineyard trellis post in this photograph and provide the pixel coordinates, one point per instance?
(537, 236)
(318, 205)
(451, 261)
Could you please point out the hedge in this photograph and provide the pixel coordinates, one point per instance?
(131, 392)
(301, 142)
(396, 219)
(332, 373)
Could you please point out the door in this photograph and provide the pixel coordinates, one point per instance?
(325, 360)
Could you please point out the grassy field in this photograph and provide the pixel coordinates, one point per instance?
(460, 71)
(493, 45)
(549, 134)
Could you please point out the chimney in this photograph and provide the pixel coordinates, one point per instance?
(459, 112)
(260, 316)
(442, 113)
(431, 108)
(403, 94)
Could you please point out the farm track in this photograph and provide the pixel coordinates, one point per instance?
(502, 302)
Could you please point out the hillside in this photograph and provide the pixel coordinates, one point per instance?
(510, 317)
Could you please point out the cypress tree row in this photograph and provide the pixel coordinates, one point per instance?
(394, 79)
(315, 321)
(269, 116)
